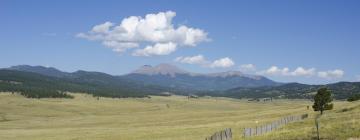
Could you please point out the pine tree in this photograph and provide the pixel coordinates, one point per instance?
(322, 100)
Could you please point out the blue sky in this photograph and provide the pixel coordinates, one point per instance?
(286, 40)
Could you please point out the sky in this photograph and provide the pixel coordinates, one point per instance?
(306, 41)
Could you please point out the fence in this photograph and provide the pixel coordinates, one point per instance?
(221, 135)
(259, 130)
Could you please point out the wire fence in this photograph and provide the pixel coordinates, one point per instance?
(225, 134)
(259, 130)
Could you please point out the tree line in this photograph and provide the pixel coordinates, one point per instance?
(34, 85)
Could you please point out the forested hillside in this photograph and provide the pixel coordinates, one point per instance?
(34, 85)
(341, 90)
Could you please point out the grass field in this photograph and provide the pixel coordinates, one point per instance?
(163, 118)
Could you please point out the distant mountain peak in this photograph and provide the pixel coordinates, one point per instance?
(226, 74)
(146, 66)
(162, 69)
(233, 74)
(172, 70)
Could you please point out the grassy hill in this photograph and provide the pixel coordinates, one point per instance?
(162, 118)
(342, 123)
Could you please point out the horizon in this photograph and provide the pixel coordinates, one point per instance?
(129, 72)
(286, 41)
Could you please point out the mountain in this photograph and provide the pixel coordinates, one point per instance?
(168, 75)
(95, 83)
(38, 82)
(48, 71)
(161, 69)
(162, 75)
(340, 90)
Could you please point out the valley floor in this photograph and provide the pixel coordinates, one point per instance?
(164, 118)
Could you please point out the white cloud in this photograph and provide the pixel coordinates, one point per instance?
(201, 60)
(102, 28)
(331, 74)
(152, 29)
(157, 49)
(197, 59)
(247, 68)
(222, 63)
(299, 71)
(303, 72)
(274, 70)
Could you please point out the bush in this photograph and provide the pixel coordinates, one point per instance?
(354, 98)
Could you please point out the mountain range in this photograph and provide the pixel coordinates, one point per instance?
(167, 75)
(155, 80)
(164, 75)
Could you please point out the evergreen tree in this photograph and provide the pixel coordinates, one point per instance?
(322, 100)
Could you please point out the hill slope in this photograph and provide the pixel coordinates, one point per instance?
(98, 84)
(341, 90)
(48, 71)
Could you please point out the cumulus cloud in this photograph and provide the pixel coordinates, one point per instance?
(102, 28)
(197, 59)
(157, 49)
(299, 71)
(331, 74)
(222, 63)
(201, 60)
(247, 68)
(274, 70)
(153, 30)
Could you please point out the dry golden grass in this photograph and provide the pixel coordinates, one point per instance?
(342, 123)
(158, 118)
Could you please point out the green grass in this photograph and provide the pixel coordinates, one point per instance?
(162, 118)
(342, 123)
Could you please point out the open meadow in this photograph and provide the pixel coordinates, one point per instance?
(164, 118)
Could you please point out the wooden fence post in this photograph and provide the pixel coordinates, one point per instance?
(225, 134)
(259, 130)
